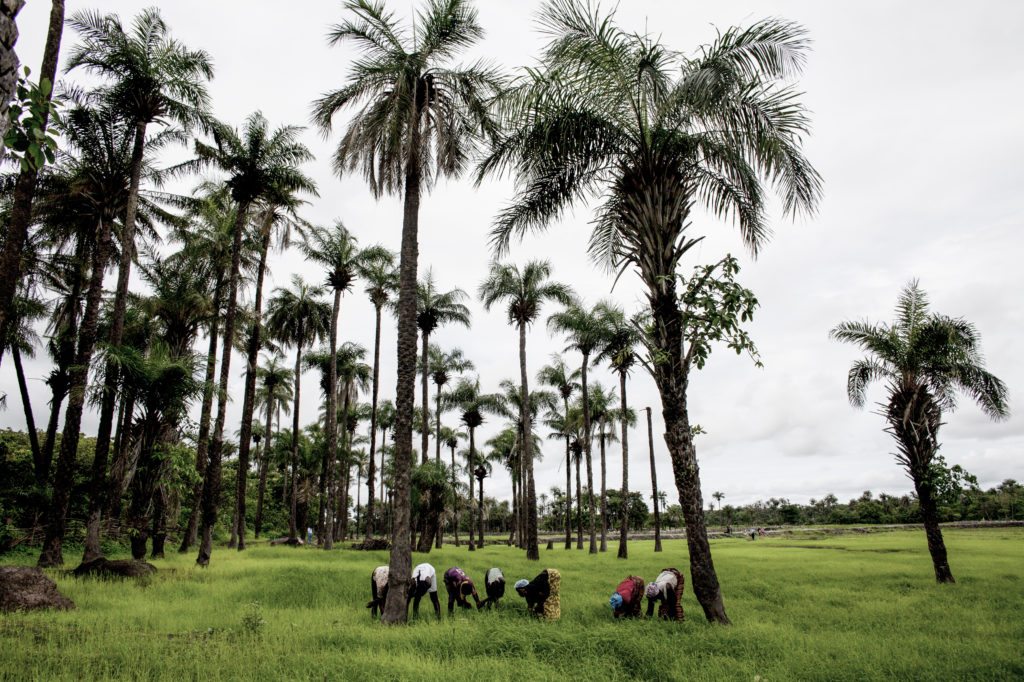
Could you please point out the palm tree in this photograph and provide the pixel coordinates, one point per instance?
(434, 309)
(297, 317)
(98, 143)
(585, 332)
(718, 497)
(338, 251)
(23, 339)
(603, 417)
(924, 358)
(275, 389)
(377, 269)
(655, 495)
(620, 351)
(557, 421)
(443, 364)
(150, 78)
(466, 397)
(353, 377)
(652, 134)
(262, 166)
(421, 119)
(451, 438)
(524, 292)
(16, 234)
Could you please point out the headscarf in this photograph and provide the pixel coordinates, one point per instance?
(521, 583)
(616, 601)
(653, 591)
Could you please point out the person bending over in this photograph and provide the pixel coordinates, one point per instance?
(667, 591)
(424, 581)
(627, 597)
(459, 588)
(378, 590)
(542, 594)
(494, 583)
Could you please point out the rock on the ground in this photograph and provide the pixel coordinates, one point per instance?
(118, 568)
(27, 589)
(372, 544)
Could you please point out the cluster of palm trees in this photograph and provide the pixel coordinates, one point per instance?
(650, 136)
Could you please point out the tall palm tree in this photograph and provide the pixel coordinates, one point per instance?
(620, 352)
(559, 376)
(17, 233)
(421, 117)
(22, 339)
(524, 292)
(353, 377)
(338, 251)
(585, 331)
(149, 78)
(603, 417)
(275, 389)
(925, 358)
(434, 309)
(97, 151)
(262, 165)
(655, 495)
(653, 134)
(451, 438)
(377, 269)
(444, 364)
(297, 317)
(719, 496)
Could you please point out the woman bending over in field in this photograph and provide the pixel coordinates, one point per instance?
(627, 597)
(494, 583)
(542, 594)
(459, 588)
(424, 581)
(378, 590)
(667, 590)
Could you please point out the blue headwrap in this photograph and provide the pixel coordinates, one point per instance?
(616, 601)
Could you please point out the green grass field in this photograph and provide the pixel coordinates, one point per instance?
(838, 608)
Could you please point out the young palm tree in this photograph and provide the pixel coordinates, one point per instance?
(524, 292)
(262, 166)
(617, 115)
(560, 377)
(420, 118)
(620, 351)
(297, 317)
(434, 309)
(377, 269)
(585, 331)
(338, 251)
(149, 78)
(17, 232)
(275, 389)
(924, 358)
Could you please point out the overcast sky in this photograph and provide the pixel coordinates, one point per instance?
(917, 113)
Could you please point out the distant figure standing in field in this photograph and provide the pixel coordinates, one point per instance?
(378, 590)
(627, 598)
(424, 581)
(542, 594)
(667, 590)
(494, 583)
(459, 588)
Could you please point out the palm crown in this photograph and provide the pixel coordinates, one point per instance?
(524, 291)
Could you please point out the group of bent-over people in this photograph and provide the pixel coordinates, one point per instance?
(541, 593)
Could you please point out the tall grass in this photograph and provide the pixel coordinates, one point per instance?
(849, 607)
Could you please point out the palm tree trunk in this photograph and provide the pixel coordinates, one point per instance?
(25, 187)
(30, 421)
(604, 491)
(370, 474)
(469, 468)
(293, 516)
(52, 554)
(455, 503)
(437, 458)
(480, 514)
(672, 378)
(425, 433)
(587, 442)
(267, 440)
(515, 506)
(624, 521)
(212, 477)
(98, 485)
(123, 466)
(249, 399)
(325, 523)
(654, 484)
(532, 549)
(400, 564)
(203, 444)
(579, 506)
